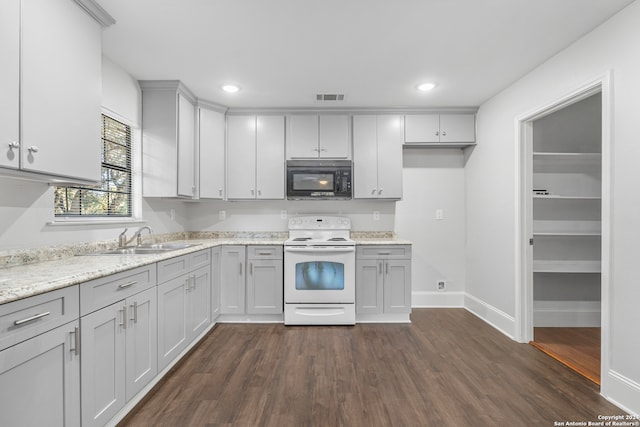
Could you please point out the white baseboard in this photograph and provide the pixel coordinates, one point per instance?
(493, 316)
(623, 392)
(425, 299)
(568, 314)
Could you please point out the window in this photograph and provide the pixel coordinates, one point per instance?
(112, 197)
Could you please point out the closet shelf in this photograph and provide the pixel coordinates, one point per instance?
(566, 266)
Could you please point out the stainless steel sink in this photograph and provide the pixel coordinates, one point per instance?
(149, 249)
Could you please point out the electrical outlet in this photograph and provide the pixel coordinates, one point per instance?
(376, 215)
(222, 215)
(283, 214)
(439, 214)
(441, 285)
(172, 214)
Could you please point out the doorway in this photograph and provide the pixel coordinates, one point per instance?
(565, 177)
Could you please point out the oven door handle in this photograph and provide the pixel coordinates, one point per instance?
(320, 249)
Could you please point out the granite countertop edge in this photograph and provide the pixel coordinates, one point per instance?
(24, 281)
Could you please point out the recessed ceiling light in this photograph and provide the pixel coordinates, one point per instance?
(426, 87)
(230, 88)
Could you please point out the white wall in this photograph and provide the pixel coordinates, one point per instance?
(434, 179)
(491, 184)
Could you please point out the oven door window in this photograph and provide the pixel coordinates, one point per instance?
(319, 276)
(313, 181)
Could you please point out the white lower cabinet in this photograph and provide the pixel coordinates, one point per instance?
(184, 309)
(265, 280)
(118, 355)
(232, 278)
(383, 279)
(40, 380)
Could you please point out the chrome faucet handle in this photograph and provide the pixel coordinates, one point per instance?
(122, 239)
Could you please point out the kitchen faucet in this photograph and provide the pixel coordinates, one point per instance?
(122, 238)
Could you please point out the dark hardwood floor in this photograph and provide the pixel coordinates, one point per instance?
(447, 368)
(578, 348)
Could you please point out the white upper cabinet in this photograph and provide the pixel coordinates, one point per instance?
(313, 136)
(211, 160)
(10, 83)
(377, 156)
(255, 157)
(51, 130)
(168, 140)
(440, 130)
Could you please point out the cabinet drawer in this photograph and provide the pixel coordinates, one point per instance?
(386, 252)
(26, 318)
(199, 259)
(105, 291)
(172, 268)
(264, 252)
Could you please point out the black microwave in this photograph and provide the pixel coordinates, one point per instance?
(319, 179)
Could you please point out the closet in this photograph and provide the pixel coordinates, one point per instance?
(566, 209)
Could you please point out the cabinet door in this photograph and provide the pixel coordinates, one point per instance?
(211, 143)
(365, 157)
(232, 280)
(186, 147)
(270, 157)
(334, 137)
(9, 82)
(369, 286)
(40, 380)
(397, 286)
(457, 128)
(421, 128)
(215, 282)
(241, 157)
(264, 287)
(61, 89)
(199, 301)
(172, 320)
(141, 341)
(103, 363)
(390, 133)
(302, 136)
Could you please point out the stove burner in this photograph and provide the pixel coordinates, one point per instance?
(337, 239)
(301, 239)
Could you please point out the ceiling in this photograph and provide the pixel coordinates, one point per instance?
(282, 52)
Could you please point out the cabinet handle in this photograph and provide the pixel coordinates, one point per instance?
(323, 149)
(386, 268)
(193, 281)
(240, 272)
(380, 268)
(384, 253)
(76, 348)
(14, 144)
(220, 191)
(264, 253)
(373, 191)
(33, 149)
(32, 318)
(126, 285)
(253, 192)
(134, 306)
(444, 133)
(259, 192)
(124, 317)
(437, 133)
(380, 191)
(251, 268)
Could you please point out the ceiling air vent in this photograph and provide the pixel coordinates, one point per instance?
(330, 97)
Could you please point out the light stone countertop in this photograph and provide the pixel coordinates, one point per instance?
(23, 281)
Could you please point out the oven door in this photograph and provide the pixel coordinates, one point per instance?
(319, 274)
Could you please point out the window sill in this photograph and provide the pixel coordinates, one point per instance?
(64, 222)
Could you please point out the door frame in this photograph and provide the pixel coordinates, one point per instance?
(524, 219)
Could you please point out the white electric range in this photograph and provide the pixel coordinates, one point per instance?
(319, 272)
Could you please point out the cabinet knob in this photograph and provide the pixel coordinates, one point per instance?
(444, 133)
(33, 149)
(373, 191)
(437, 133)
(14, 144)
(380, 191)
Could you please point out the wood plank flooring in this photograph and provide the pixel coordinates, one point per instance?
(446, 368)
(578, 348)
